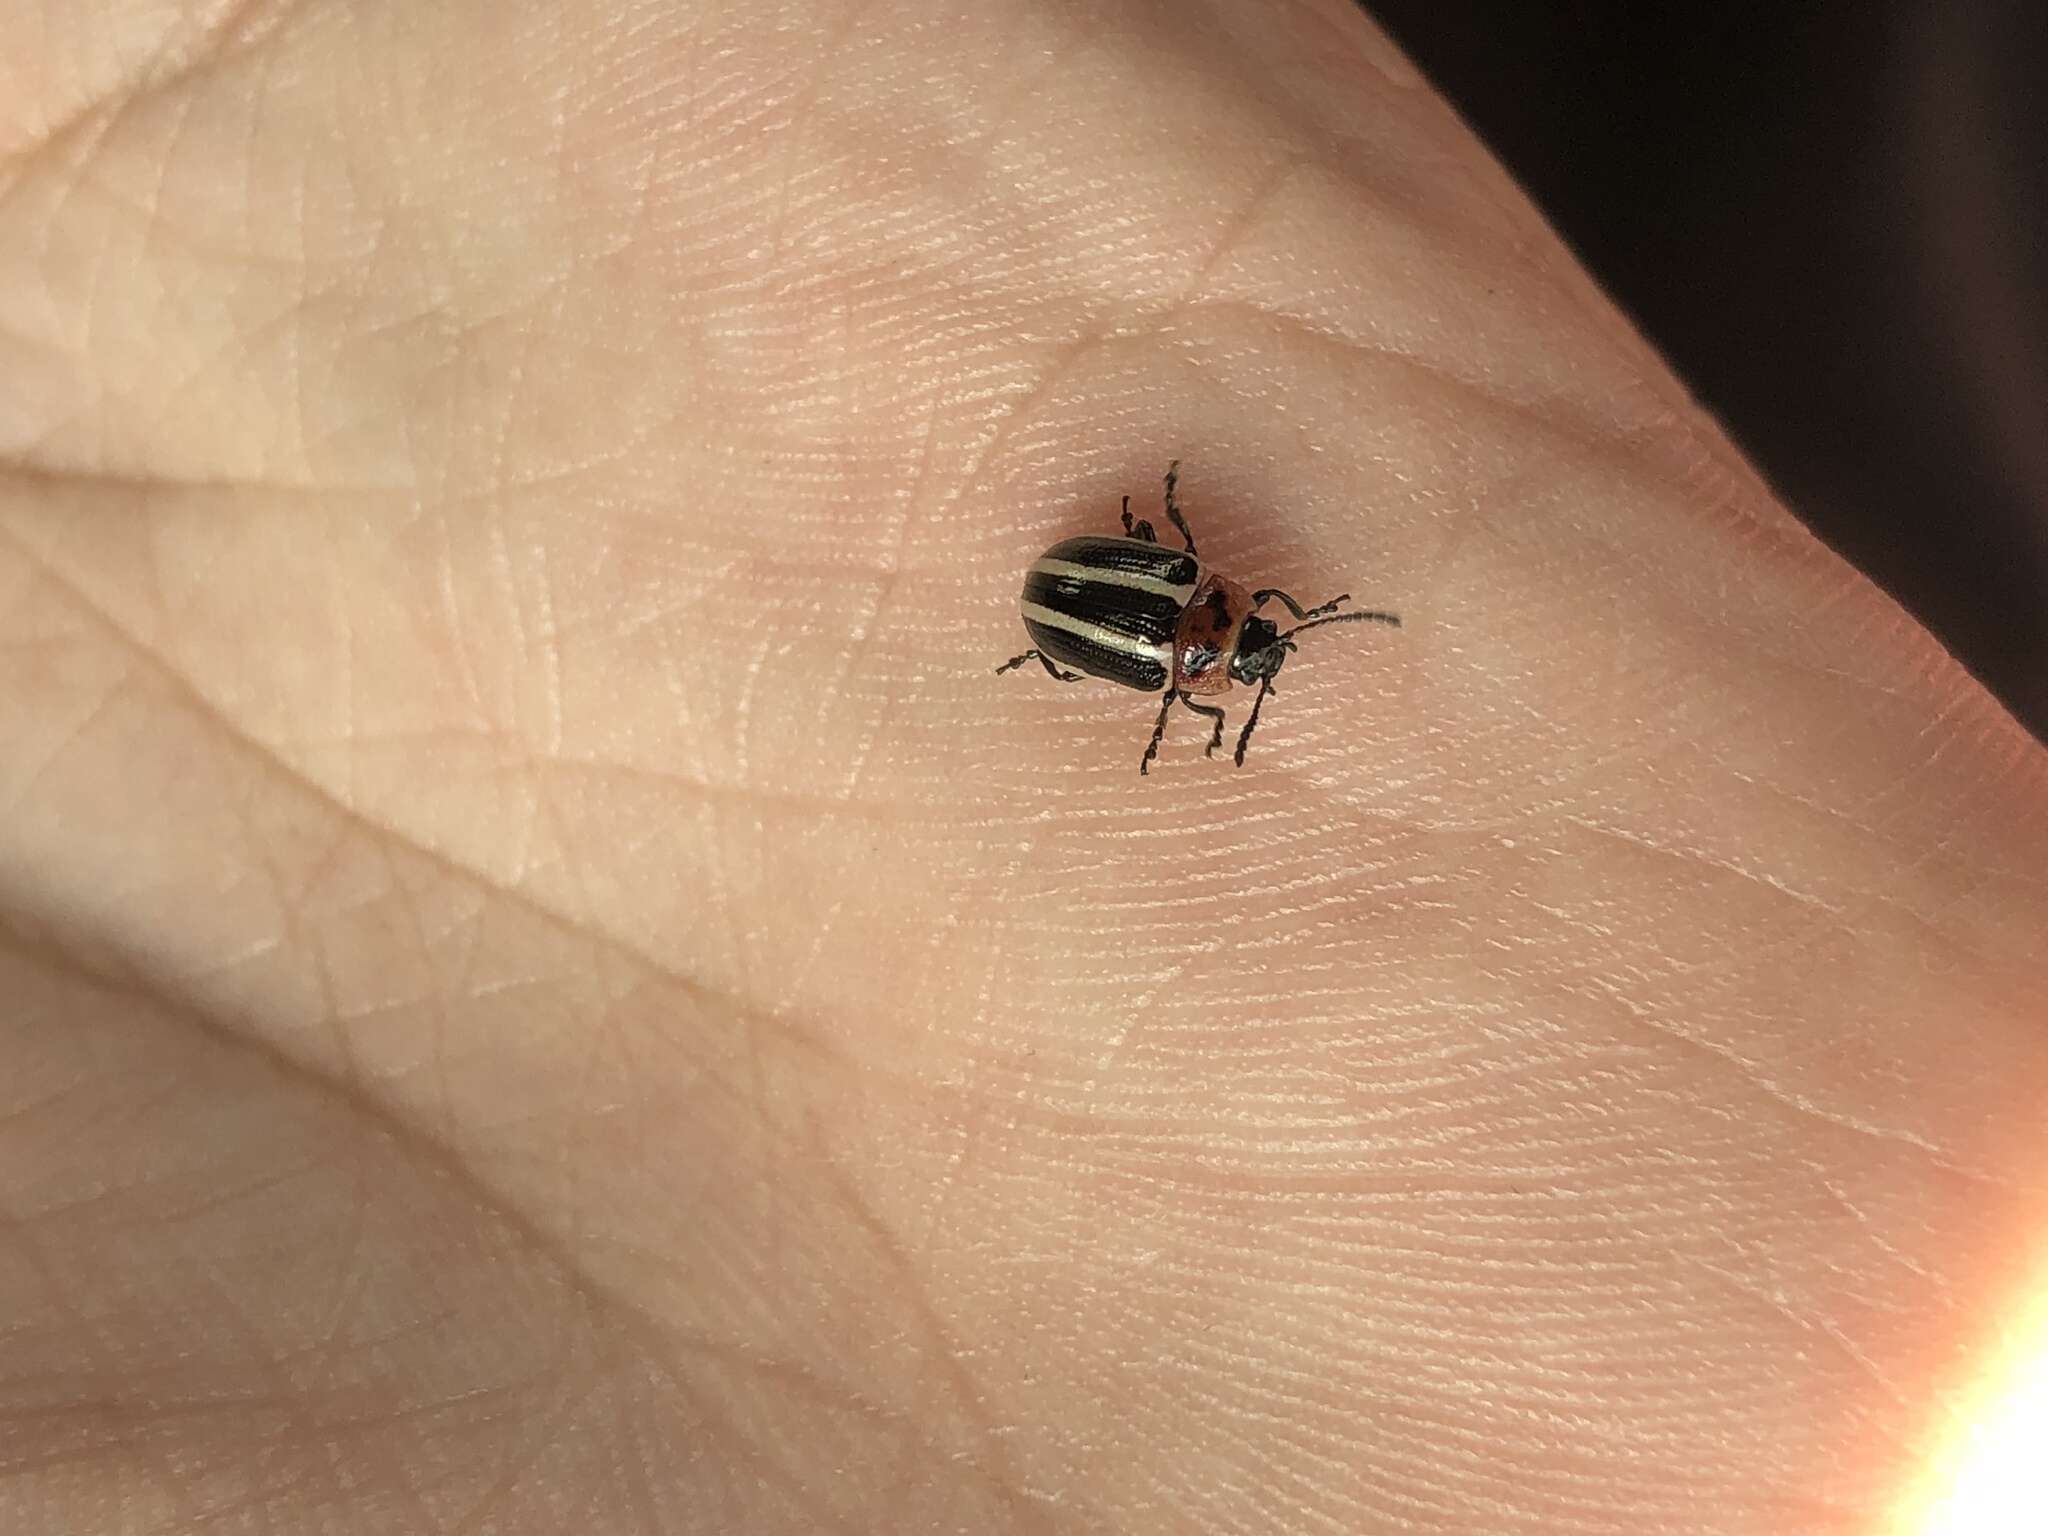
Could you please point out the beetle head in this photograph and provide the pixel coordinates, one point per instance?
(1262, 651)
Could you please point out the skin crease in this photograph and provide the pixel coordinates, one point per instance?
(550, 989)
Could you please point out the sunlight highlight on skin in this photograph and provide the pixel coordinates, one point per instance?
(1992, 1479)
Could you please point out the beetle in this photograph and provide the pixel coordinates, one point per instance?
(1131, 611)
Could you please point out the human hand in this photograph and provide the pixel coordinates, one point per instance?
(553, 990)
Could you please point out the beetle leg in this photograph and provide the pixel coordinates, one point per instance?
(1139, 530)
(1043, 661)
(1265, 687)
(1266, 595)
(1173, 506)
(1214, 712)
(1158, 730)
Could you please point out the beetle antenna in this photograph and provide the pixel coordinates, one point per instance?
(1244, 739)
(1360, 616)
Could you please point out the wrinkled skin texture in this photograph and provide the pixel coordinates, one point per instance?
(547, 987)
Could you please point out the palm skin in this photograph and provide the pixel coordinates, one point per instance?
(550, 989)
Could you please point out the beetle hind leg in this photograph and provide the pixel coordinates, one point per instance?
(1138, 530)
(1173, 506)
(1214, 712)
(1044, 661)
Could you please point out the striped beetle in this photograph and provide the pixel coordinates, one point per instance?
(1132, 612)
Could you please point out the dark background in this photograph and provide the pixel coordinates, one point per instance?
(1833, 220)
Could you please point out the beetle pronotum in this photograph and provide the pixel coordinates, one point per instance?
(1133, 612)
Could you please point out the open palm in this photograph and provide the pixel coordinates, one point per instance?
(547, 985)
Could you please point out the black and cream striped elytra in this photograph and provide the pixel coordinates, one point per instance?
(1130, 611)
(1110, 607)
